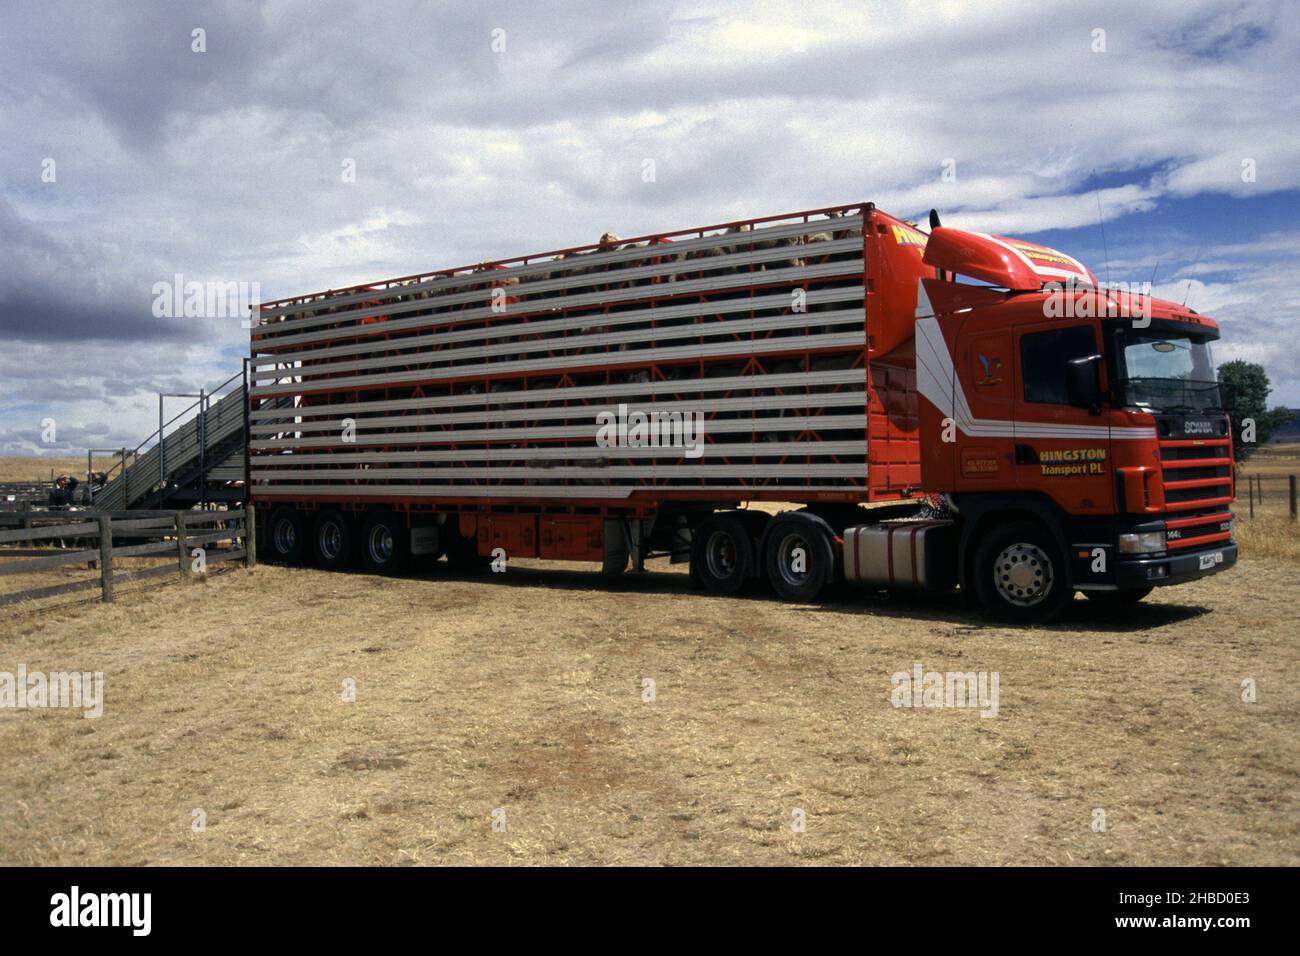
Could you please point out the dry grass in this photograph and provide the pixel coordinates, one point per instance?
(524, 692)
(27, 468)
(1282, 458)
(1270, 534)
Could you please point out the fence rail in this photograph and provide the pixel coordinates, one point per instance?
(177, 534)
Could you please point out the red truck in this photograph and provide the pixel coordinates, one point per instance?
(940, 409)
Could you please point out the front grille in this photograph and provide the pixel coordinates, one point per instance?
(1201, 472)
(1197, 474)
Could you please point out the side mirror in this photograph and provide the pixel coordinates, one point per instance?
(1083, 382)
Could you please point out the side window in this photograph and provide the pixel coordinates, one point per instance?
(1043, 357)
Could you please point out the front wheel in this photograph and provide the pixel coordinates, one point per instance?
(1019, 574)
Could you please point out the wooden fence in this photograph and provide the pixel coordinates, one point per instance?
(1281, 494)
(163, 532)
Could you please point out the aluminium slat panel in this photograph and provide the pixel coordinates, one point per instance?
(327, 355)
(794, 276)
(724, 426)
(522, 325)
(584, 278)
(441, 358)
(513, 491)
(584, 260)
(745, 348)
(525, 473)
(711, 406)
(857, 447)
(819, 379)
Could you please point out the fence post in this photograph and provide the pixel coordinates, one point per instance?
(1250, 490)
(106, 558)
(250, 530)
(180, 546)
(1292, 483)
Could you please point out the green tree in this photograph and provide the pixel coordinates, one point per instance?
(1246, 394)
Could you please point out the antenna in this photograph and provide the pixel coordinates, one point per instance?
(1101, 223)
(1195, 262)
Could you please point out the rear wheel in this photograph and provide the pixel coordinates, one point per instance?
(1117, 598)
(385, 546)
(286, 537)
(722, 554)
(799, 557)
(1020, 575)
(332, 540)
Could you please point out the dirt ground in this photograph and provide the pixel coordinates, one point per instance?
(520, 699)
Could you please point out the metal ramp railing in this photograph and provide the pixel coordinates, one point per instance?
(182, 461)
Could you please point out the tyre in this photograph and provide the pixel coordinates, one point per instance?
(462, 553)
(722, 554)
(1019, 574)
(1117, 598)
(286, 535)
(617, 553)
(332, 540)
(799, 557)
(385, 544)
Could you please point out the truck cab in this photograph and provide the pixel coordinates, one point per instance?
(1086, 419)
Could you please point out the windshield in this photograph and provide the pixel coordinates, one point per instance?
(1167, 371)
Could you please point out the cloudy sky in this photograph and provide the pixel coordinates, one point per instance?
(486, 130)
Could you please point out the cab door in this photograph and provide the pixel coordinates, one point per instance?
(984, 459)
(1059, 450)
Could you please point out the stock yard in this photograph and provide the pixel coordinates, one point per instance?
(523, 692)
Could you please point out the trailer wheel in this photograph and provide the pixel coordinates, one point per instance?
(332, 540)
(1117, 598)
(617, 552)
(722, 554)
(799, 557)
(1020, 575)
(385, 546)
(462, 553)
(286, 537)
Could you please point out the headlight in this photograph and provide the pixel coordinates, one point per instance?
(1143, 543)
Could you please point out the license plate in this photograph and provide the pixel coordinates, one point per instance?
(1210, 560)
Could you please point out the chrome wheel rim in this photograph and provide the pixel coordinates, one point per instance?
(380, 544)
(330, 540)
(720, 555)
(785, 559)
(284, 536)
(1023, 574)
